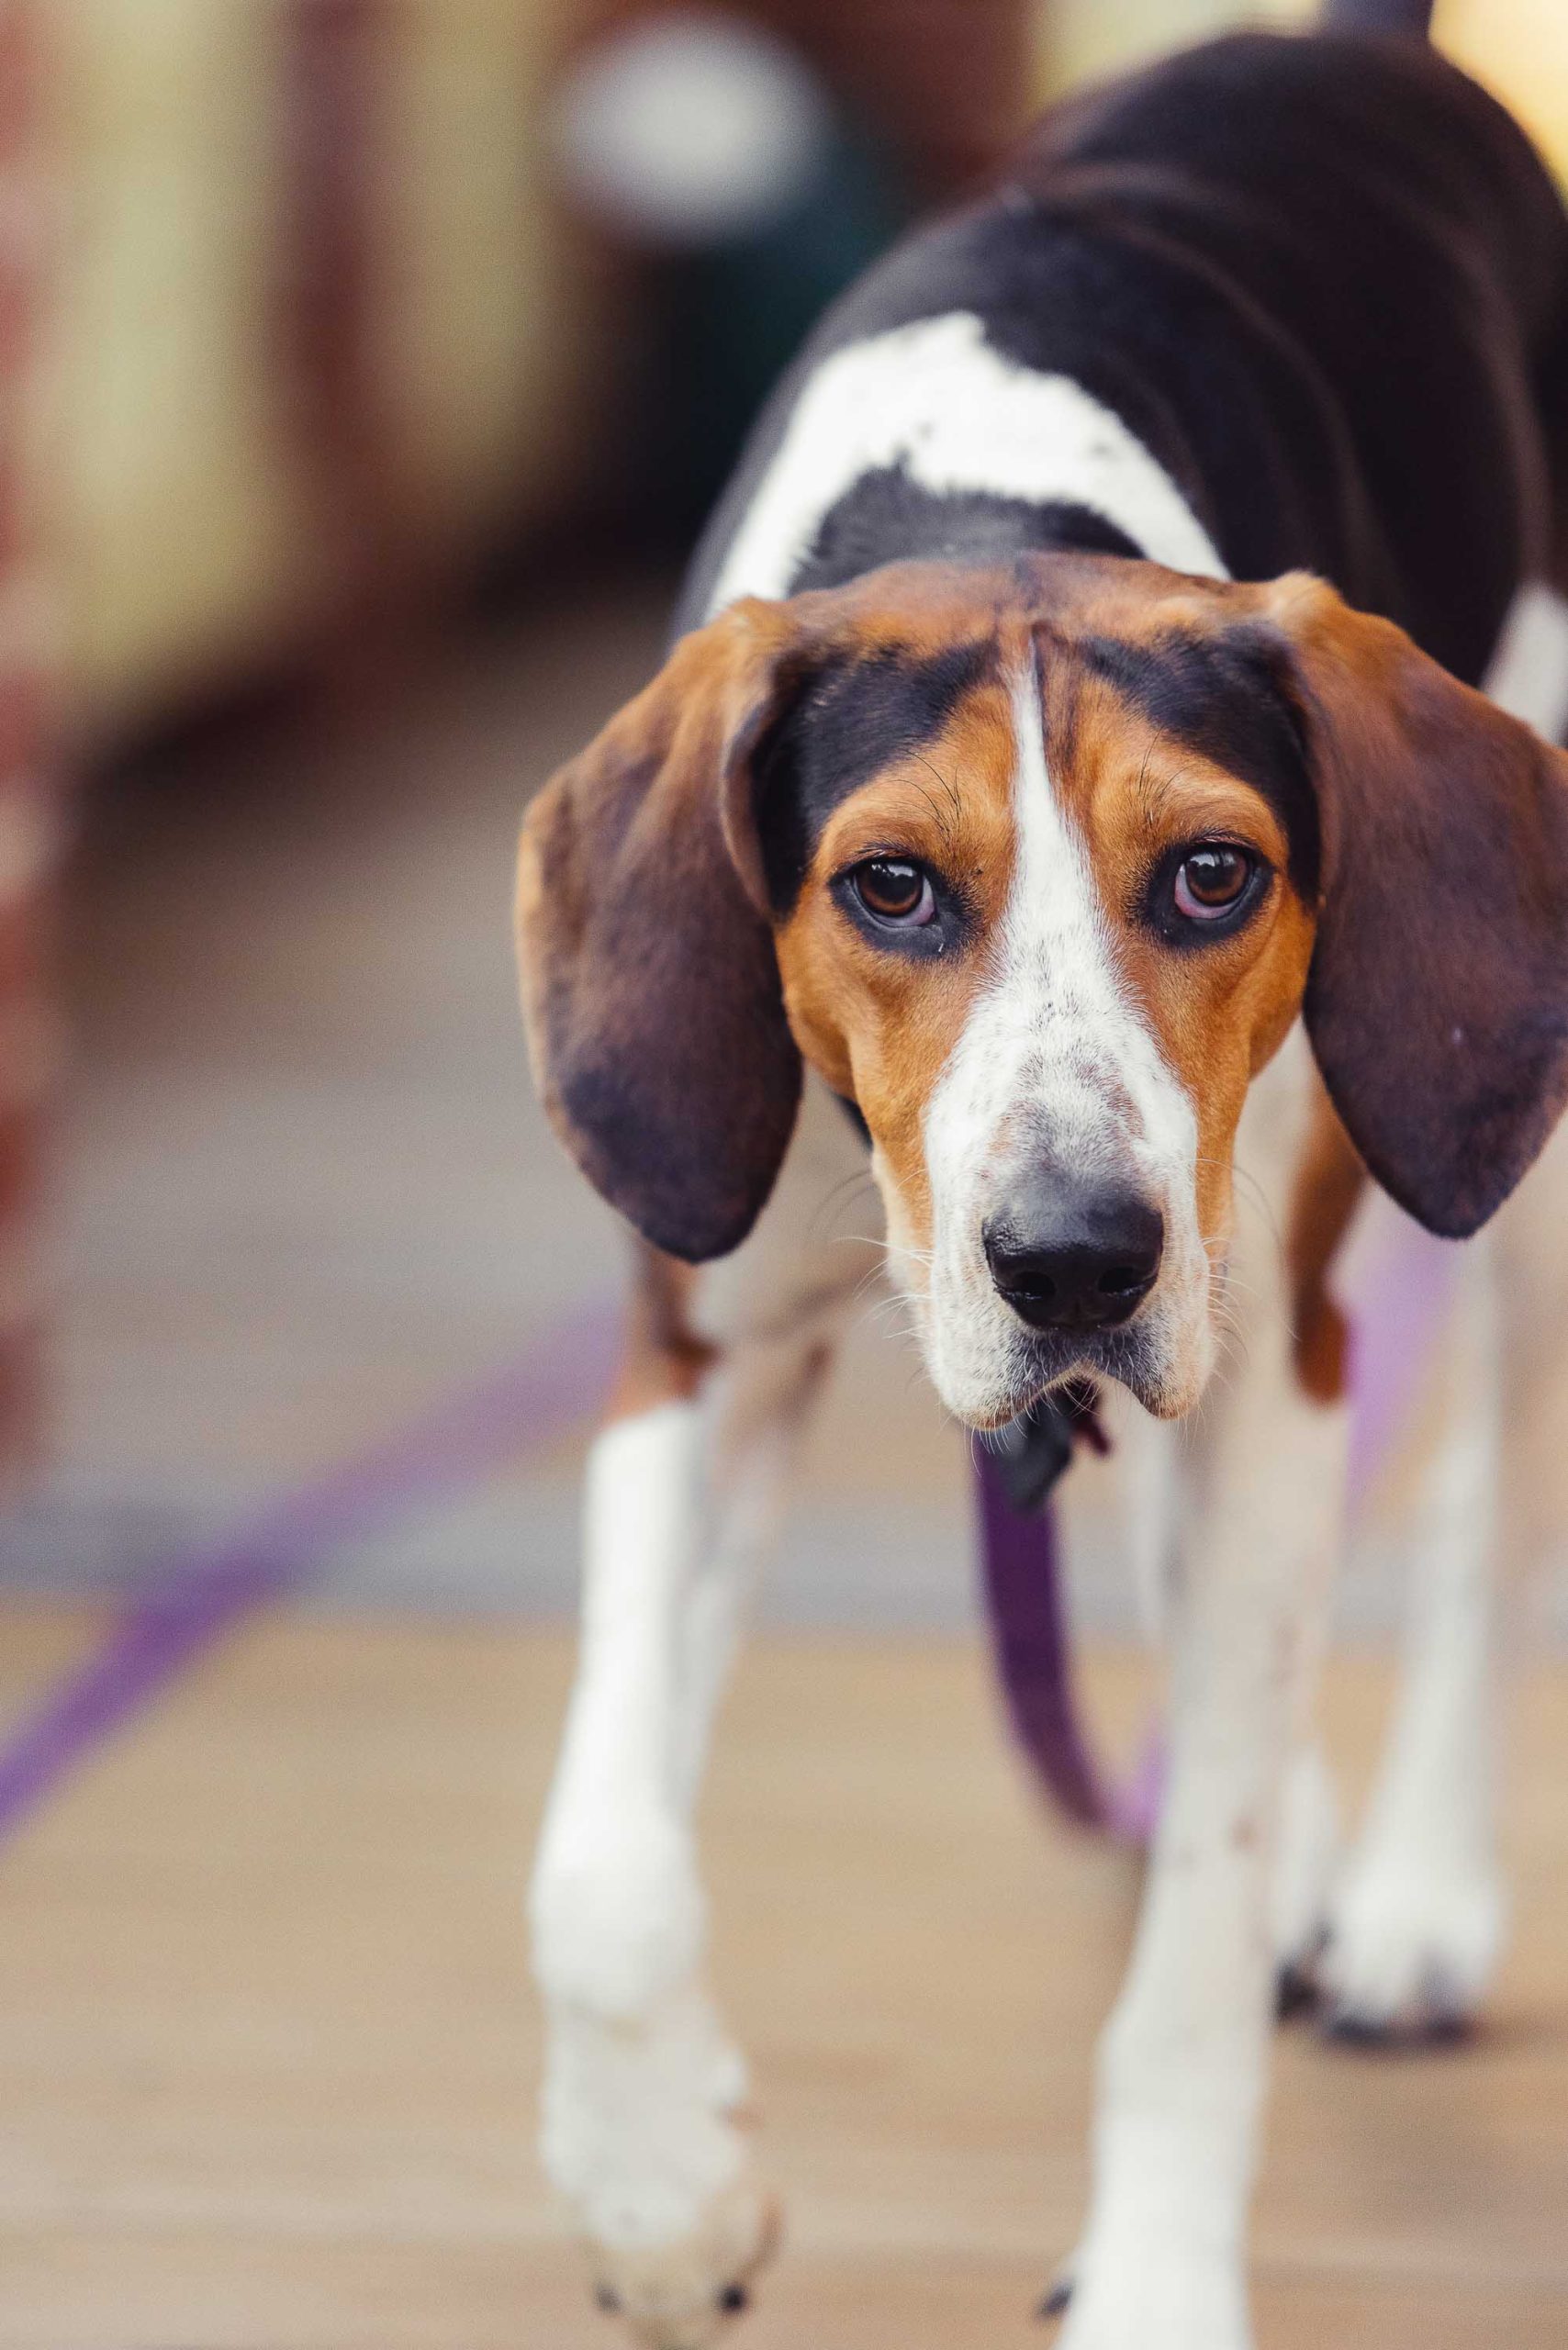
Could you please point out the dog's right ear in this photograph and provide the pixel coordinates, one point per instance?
(1438, 999)
(650, 987)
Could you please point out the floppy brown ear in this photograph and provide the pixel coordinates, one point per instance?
(1437, 1001)
(650, 987)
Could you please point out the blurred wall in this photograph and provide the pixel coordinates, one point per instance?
(318, 321)
(212, 496)
(162, 484)
(195, 532)
(1519, 49)
(1084, 40)
(487, 325)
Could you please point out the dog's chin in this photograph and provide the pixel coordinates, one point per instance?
(987, 1388)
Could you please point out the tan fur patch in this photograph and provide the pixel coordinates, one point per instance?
(880, 1026)
(663, 1360)
(1328, 1187)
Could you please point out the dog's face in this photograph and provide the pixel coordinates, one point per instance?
(1044, 944)
(1037, 868)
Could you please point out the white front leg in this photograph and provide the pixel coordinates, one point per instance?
(641, 2082)
(617, 1909)
(1185, 2061)
(642, 2085)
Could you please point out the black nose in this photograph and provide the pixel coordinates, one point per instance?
(1067, 1258)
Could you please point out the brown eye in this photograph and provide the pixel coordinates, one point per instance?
(894, 890)
(1212, 881)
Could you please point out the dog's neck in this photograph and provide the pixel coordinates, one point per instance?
(926, 442)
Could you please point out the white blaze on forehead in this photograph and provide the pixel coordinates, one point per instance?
(935, 399)
(1055, 1050)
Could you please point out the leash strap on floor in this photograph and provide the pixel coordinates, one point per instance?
(204, 1596)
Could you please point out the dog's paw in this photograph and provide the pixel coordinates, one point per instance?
(1411, 1948)
(682, 2296)
(1056, 2299)
(1155, 2296)
(1303, 1874)
(642, 2135)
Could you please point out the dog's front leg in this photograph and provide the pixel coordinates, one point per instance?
(1185, 2061)
(642, 2085)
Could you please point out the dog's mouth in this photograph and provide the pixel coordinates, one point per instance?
(1050, 1372)
(1037, 1447)
(1051, 1368)
(1060, 1363)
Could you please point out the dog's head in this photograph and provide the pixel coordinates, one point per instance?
(1037, 867)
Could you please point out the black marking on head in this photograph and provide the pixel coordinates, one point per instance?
(886, 517)
(854, 716)
(1229, 696)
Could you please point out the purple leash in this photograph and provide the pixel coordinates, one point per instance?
(1400, 1319)
(1022, 1568)
(206, 1594)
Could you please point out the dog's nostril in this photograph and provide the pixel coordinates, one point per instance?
(1034, 1279)
(1117, 1280)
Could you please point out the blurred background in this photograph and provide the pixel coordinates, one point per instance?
(370, 369)
(367, 368)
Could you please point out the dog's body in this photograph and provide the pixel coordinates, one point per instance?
(1035, 850)
(1277, 304)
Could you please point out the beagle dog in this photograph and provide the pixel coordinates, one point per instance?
(1070, 766)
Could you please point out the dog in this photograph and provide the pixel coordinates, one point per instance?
(1069, 777)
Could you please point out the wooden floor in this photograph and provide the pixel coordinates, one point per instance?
(266, 2041)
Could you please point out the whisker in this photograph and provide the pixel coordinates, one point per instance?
(944, 824)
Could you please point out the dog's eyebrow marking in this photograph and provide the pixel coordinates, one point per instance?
(1225, 697)
(857, 714)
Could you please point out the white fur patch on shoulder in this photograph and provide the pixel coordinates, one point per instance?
(936, 400)
(1528, 676)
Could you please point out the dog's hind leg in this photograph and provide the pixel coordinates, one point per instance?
(641, 2126)
(1416, 1925)
(1416, 1922)
(1304, 1873)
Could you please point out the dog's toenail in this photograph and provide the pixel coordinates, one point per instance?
(1057, 2301)
(608, 2300)
(734, 2300)
(1295, 1992)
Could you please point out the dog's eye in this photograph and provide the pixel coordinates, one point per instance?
(1212, 880)
(895, 890)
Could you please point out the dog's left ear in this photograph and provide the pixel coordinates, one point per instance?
(650, 986)
(1437, 1001)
